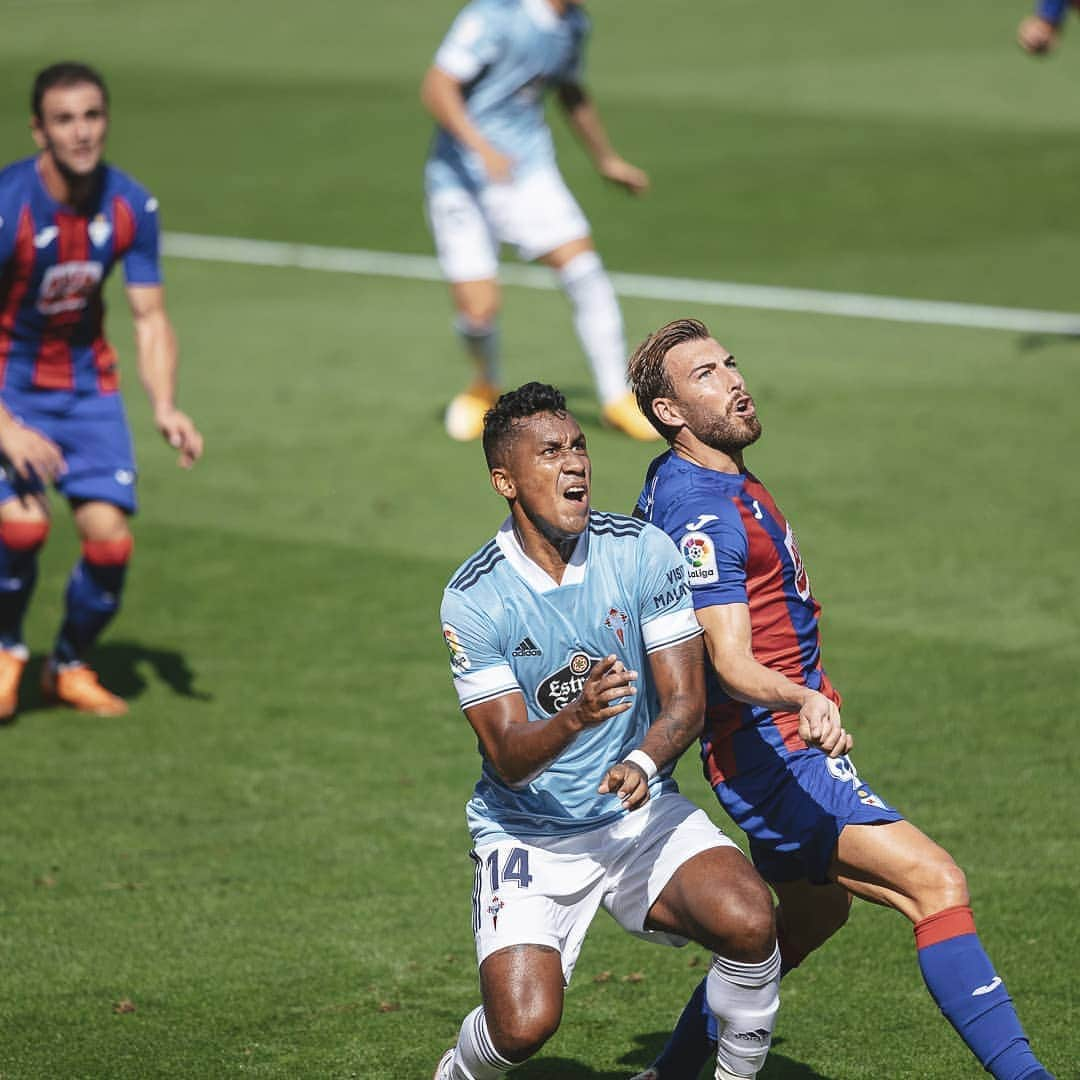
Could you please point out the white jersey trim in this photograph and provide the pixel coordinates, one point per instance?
(537, 579)
(670, 629)
(480, 686)
(457, 62)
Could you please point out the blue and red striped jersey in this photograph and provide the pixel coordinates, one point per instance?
(740, 549)
(53, 265)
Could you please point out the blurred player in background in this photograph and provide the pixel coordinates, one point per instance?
(577, 659)
(491, 178)
(818, 834)
(1039, 33)
(66, 218)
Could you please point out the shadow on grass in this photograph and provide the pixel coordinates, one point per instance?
(1035, 342)
(125, 668)
(777, 1067)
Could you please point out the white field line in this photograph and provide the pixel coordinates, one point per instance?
(641, 286)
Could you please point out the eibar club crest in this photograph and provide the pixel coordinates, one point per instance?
(616, 620)
(100, 230)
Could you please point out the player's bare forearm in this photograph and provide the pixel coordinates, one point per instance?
(157, 356)
(728, 640)
(584, 119)
(520, 749)
(443, 98)
(679, 676)
(517, 749)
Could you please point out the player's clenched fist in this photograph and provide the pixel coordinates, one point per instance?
(608, 691)
(819, 725)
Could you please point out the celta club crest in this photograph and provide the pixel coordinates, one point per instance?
(616, 620)
(494, 908)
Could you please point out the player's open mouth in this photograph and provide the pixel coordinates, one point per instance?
(744, 406)
(576, 493)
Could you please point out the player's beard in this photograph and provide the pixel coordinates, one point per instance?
(730, 433)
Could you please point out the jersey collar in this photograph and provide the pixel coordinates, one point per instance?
(529, 572)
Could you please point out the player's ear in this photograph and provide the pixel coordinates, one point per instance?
(37, 132)
(667, 412)
(503, 482)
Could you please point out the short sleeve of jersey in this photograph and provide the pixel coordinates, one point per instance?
(472, 43)
(714, 551)
(574, 72)
(9, 221)
(142, 262)
(479, 668)
(664, 604)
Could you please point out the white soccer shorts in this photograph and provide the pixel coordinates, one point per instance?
(546, 892)
(535, 214)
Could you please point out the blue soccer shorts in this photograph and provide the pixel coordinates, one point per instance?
(794, 808)
(93, 435)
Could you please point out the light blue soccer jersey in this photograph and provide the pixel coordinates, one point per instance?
(511, 630)
(505, 53)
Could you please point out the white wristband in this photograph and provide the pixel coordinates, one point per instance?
(643, 762)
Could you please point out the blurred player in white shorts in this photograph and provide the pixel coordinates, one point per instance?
(491, 179)
(578, 662)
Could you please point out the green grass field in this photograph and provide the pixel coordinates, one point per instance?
(268, 857)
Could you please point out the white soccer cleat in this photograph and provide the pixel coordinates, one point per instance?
(442, 1070)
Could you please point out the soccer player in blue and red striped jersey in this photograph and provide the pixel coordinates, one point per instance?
(774, 747)
(66, 218)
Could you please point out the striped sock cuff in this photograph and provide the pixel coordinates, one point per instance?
(482, 1044)
(748, 975)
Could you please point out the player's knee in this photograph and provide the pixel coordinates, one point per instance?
(478, 313)
(24, 536)
(750, 922)
(520, 1031)
(949, 882)
(114, 552)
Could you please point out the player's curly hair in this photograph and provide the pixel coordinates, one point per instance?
(514, 405)
(66, 73)
(648, 372)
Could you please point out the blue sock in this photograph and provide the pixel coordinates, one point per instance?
(973, 998)
(92, 598)
(692, 1042)
(20, 542)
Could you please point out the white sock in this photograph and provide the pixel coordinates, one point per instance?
(744, 999)
(598, 323)
(481, 341)
(475, 1056)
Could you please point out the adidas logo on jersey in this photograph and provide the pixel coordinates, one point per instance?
(527, 647)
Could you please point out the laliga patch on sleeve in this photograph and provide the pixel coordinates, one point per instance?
(459, 658)
(700, 554)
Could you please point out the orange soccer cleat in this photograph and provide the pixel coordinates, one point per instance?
(625, 416)
(464, 417)
(11, 669)
(78, 687)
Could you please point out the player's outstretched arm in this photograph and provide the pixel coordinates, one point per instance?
(442, 96)
(679, 677)
(157, 357)
(520, 749)
(30, 453)
(585, 122)
(728, 640)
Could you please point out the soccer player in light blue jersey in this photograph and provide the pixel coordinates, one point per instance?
(491, 178)
(577, 660)
(1039, 33)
